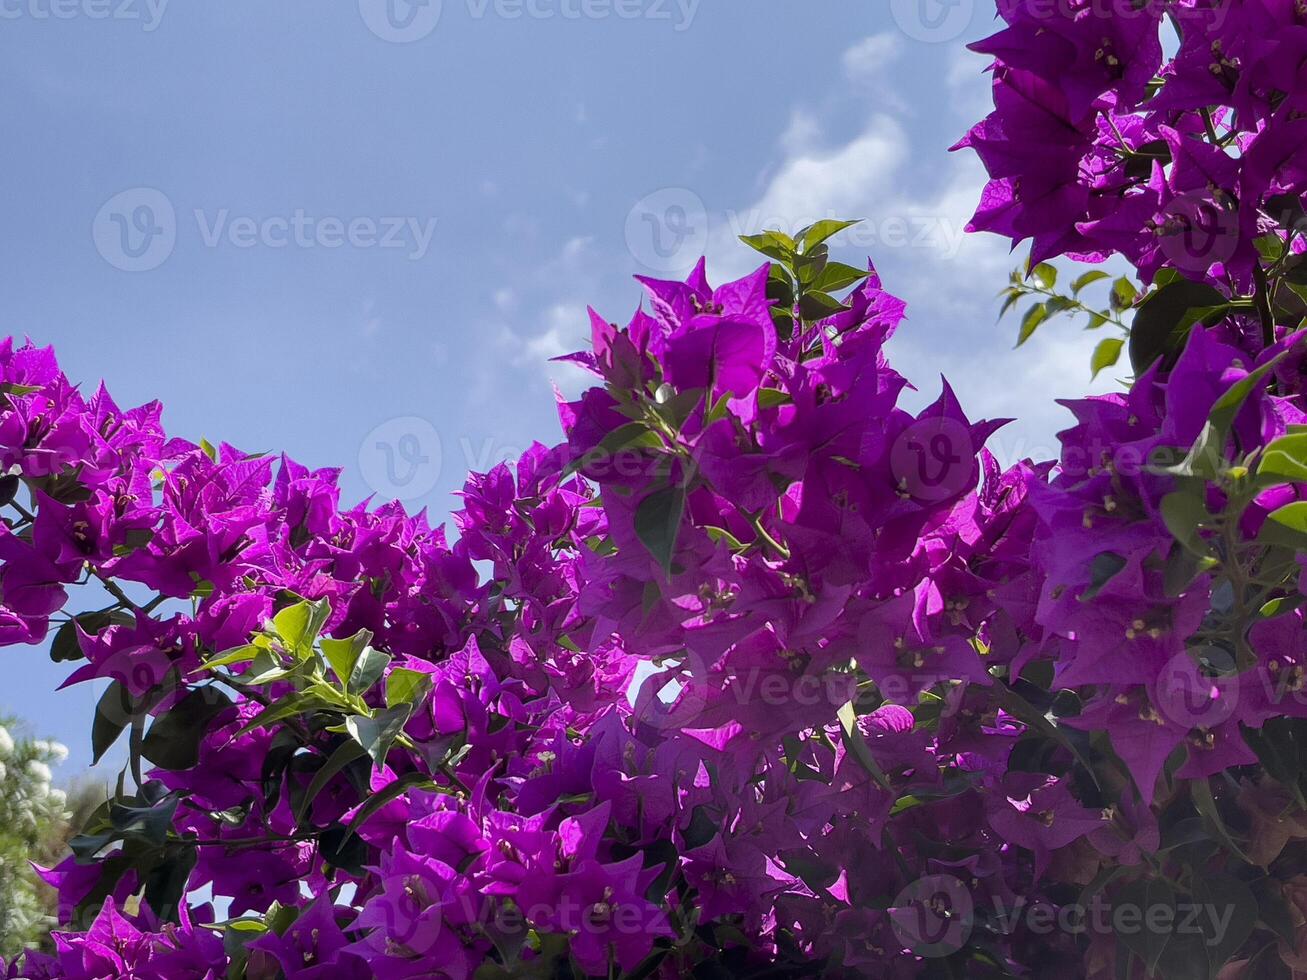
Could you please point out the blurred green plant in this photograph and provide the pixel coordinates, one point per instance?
(34, 826)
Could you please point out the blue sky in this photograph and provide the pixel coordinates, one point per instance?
(357, 231)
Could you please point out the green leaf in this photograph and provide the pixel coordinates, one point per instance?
(14, 388)
(1088, 279)
(1204, 459)
(1233, 906)
(236, 936)
(174, 739)
(1017, 706)
(342, 655)
(1227, 407)
(1035, 316)
(837, 276)
(815, 234)
(1201, 792)
(1148, 943)
(772, 244)
(113, 713)
(368, 668)
(1163, 321)
(377, 734)
(269, 666)
(772, 397)
(236, 655)
(658, 522)
(1285, 460)
(1292, 516)
(1272, 907)
(287, 706)
(1184, 515)
(1045, 274)
(65, 647)
(853, 740)
(299, 625)
(343, 849)
(1105, 567)
(392, 791)
(1107, 353)
(817, 305)
(1123, 294)
(404, 686)
(348, 751)
(702, 829)
(721, 535)
(149, 821)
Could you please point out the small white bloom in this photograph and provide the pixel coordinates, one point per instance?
(6, 744)
(40, 771)
(58, 753)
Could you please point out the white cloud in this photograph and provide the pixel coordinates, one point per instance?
(869, 61)
(969, 86)
(811, 185)
(917, 239)
(916, 203)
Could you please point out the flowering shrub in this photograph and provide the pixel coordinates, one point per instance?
(756, 673)
(29, 809)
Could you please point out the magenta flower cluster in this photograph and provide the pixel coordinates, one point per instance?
(1100, 145)
(757, 673)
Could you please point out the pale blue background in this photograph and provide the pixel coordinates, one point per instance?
(529, 140)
